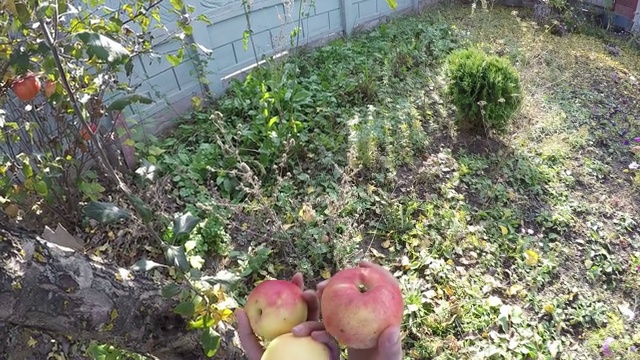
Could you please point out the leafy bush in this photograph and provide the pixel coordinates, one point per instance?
(66, 73)
(485, 89)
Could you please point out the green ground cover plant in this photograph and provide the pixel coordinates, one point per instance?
(522, 245)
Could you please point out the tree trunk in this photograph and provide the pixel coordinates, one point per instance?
(52, 290)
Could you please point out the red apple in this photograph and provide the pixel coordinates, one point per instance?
(49, 88)
(274, 307)
(85, 135)
(358, 304)
(289, 347)
(26, 87)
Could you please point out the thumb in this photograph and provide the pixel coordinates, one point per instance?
(389, 344)
(248, 340)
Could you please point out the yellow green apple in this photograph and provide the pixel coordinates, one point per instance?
(358, 304)
(289, 347)
(274, 307)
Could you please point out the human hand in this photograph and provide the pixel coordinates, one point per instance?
(389, 346)
(250, 342)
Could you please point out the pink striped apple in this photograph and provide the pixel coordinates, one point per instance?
(274, 307)
(358, 304)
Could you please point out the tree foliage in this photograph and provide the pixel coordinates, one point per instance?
(66, 68)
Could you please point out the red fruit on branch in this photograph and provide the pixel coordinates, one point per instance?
(49, 88)
(26, 87)
(85, 135)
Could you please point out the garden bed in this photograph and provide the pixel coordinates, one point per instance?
(523, 246)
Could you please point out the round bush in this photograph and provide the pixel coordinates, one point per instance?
(485, 89)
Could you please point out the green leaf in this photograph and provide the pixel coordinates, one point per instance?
(177, 4)
(223, 277)
(171, 290)
(10, 6)
(204, 19)
(184, 224)
(210, 341)
(20, 60)
(176, 257)
(176, 59)
(185, 309)
(41, 188)
(105, 213)
(141, 208)
(245, 39)
(155, 150)
(24, 13)
(124, 101)
(104, 48)
(98, 352)
(201, 322)
(393, 4)
(503, 318)
(45, 10)
(91, 190)
(146, 265)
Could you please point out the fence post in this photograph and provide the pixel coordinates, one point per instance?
(636, 20)
(348, 16)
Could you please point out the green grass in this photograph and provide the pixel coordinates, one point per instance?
(523, 246)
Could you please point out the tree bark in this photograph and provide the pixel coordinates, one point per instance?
(67, 295)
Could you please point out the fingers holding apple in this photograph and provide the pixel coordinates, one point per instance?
(249, 341)
(317, 332)
(310, 296)
(272, 310)
(361, 307)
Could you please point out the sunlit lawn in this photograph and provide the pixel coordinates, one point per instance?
(520, 246)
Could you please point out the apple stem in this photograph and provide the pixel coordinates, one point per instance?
(362, 288)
